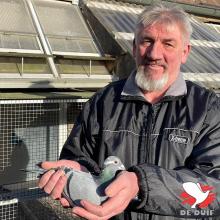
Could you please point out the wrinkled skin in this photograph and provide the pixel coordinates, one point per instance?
(158, 49)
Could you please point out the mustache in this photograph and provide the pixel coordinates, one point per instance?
(155, 62)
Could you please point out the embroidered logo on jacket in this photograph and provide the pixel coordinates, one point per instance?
(178, 139)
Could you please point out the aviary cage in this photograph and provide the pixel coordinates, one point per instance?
(32, 131)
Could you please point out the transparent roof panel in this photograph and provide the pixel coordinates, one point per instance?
(65, 28)
(17, 31)
(61, 19)
(202, 31)
(15, 17)
(203, 60)
(214, 27)
(24, 42)
(72, 45)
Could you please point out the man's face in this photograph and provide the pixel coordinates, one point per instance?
(159, 51)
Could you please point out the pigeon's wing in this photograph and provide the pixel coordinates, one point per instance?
(81, 185)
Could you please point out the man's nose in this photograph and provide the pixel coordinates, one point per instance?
(154, 52)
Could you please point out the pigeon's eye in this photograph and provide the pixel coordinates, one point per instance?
(116, 162)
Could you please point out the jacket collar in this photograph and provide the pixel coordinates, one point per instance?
(178, 88)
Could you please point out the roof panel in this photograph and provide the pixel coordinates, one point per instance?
(201, 2)
(214, 27)
(202, 31)
(205, 79)
(203, 60)
(60, 19)
(63, 45)
(15, 17)
(64, 27)
(17, 31)
(19, 42)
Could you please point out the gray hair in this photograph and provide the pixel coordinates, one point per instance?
(168, 14)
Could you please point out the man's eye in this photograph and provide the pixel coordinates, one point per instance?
(146, 42)
(169, 45)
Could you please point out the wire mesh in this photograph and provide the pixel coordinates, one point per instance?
(9, 210)
(73, 110)
(31, 131)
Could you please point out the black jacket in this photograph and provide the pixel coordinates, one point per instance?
(174, 141)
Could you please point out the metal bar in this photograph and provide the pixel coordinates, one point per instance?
(62, 126)
(22, 65)
(42, 37)
(70, 100)
(90, 67)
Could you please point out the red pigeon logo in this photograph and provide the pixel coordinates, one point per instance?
(196, 194)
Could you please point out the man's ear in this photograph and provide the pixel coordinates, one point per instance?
(186, 51)
(134, 48)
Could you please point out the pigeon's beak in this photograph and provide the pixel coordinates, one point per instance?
(122, 167)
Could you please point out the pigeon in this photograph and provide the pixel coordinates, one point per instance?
(84, 185)
(195, 190)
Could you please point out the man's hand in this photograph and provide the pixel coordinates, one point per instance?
(53, 182)
(120, 192)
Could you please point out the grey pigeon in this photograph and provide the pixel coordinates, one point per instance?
(83, 185)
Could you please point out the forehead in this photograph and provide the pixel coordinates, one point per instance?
(162, 30)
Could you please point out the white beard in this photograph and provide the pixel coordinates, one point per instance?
(146, 83)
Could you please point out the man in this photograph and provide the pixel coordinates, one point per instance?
(165, 130)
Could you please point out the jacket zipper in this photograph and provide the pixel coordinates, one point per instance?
(142, 148)
(148, 134)
(146, 143)
(144, 152)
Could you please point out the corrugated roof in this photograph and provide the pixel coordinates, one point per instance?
(201, 2)
(203, 64)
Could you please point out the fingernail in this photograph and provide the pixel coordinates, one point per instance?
(107, 190)
(82, 203)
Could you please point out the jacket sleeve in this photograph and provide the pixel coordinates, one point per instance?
(81, 144)
(161, 190)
